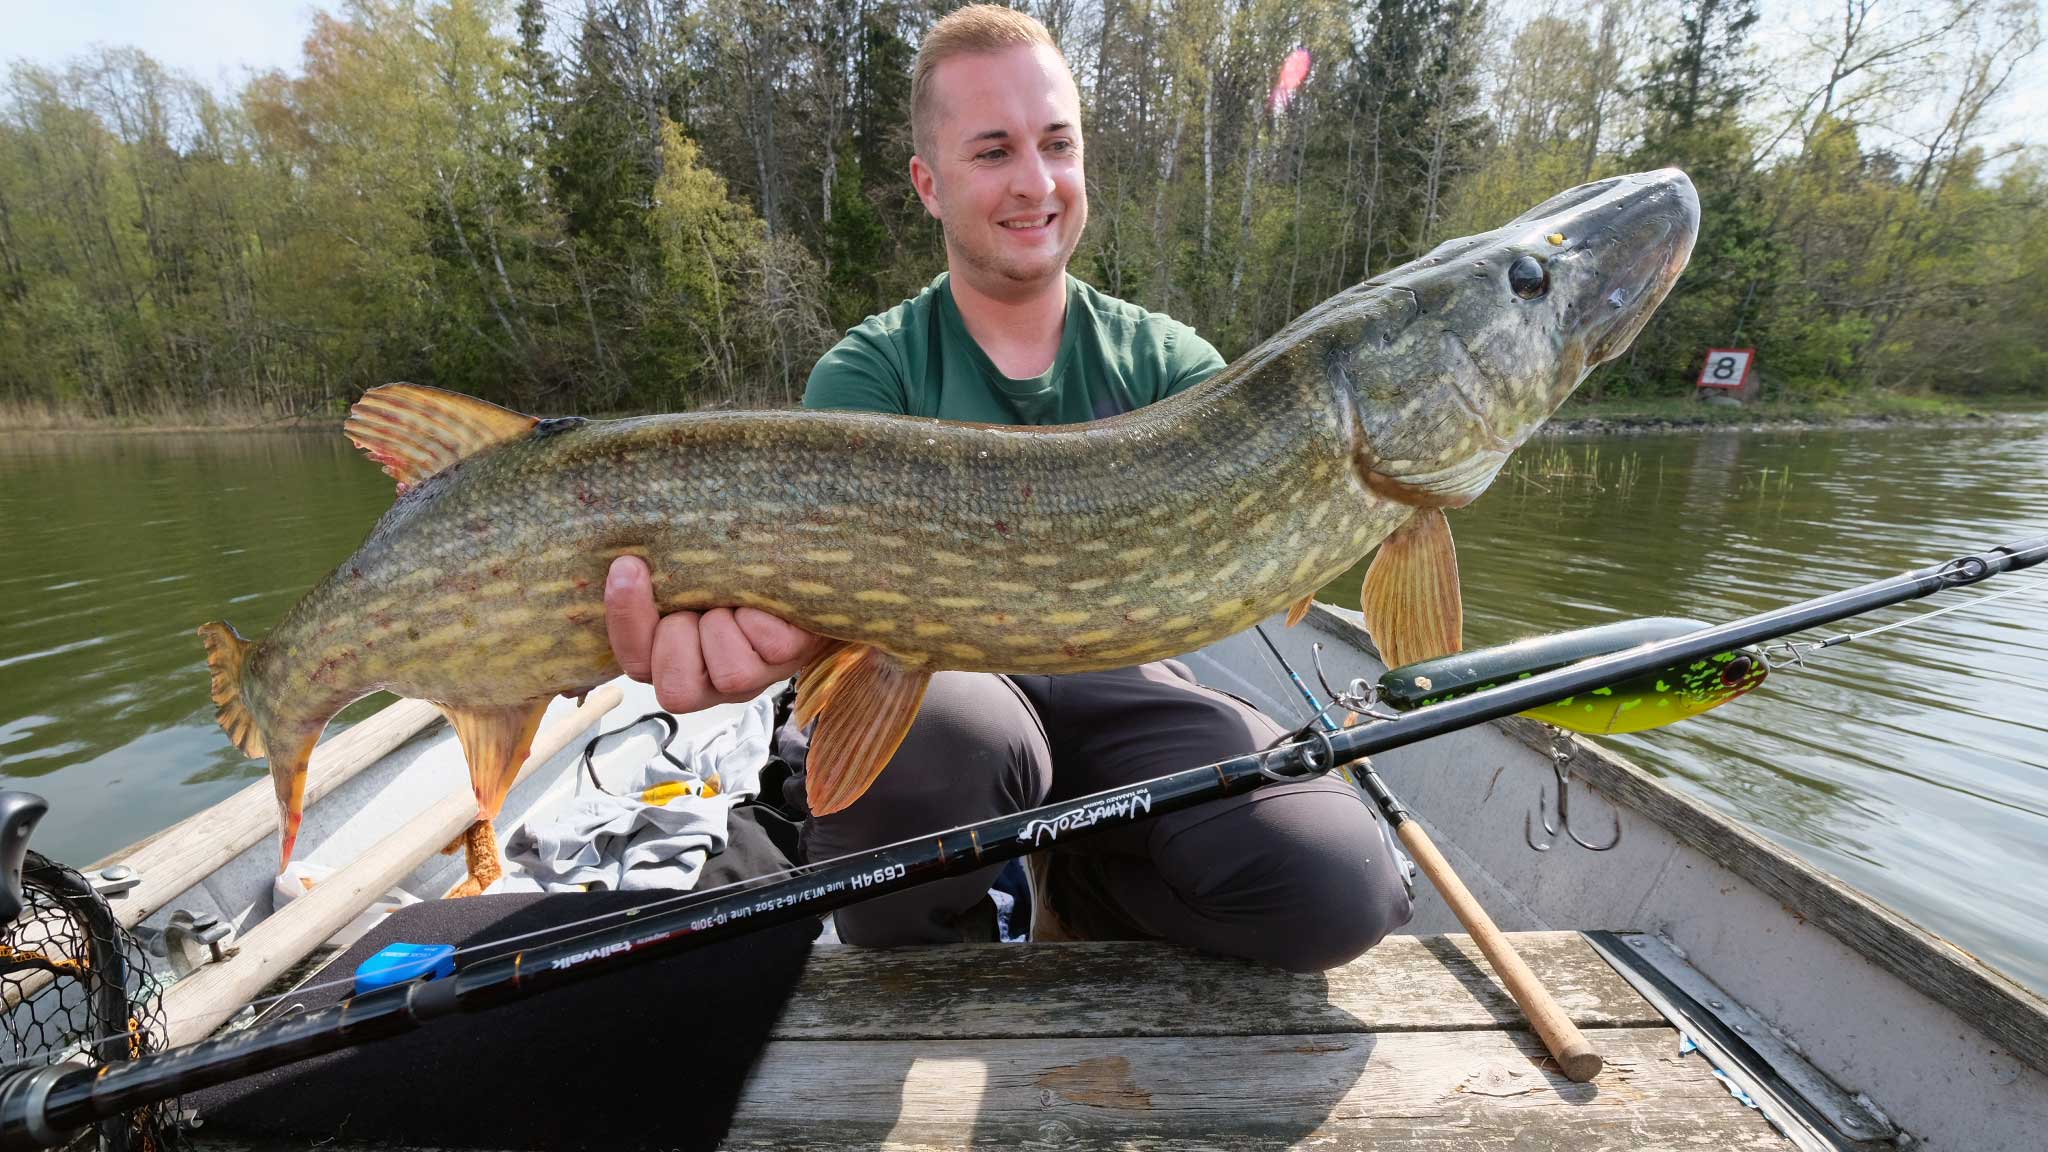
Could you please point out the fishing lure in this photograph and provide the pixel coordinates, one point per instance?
(1666, 696)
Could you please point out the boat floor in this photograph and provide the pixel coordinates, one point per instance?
(1099, 1045)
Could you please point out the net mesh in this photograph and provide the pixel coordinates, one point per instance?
(76, 986)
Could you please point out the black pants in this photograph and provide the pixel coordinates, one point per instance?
(1297, 875)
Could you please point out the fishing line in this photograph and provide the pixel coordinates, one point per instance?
(1788, 653)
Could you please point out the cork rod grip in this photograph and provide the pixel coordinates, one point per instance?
(1574, 1053)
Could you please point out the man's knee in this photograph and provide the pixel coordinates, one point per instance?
(1301, 875)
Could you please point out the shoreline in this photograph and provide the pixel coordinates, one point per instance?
(1609, 418)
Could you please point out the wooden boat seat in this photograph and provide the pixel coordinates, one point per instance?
(1099, 1045)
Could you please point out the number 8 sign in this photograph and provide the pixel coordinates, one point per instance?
(1726, 367)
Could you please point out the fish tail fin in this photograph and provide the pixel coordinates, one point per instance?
(227, 658)
(226, 655)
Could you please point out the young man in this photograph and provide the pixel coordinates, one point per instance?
(1299, 875)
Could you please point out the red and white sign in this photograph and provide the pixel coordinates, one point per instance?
(1726, 367)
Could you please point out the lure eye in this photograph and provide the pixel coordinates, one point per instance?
(1734, 672)
(1528, 278)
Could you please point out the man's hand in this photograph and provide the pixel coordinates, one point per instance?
(697, 659)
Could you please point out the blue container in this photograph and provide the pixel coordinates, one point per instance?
(398, 963)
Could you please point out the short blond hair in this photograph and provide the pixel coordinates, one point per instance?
(965, 31)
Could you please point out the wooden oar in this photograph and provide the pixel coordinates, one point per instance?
(203, 1001)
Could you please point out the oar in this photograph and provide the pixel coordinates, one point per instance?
(1573, 1052)
(40, 1107)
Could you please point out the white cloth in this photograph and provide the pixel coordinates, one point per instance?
(654, 829)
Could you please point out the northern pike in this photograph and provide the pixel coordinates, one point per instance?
(920, 545)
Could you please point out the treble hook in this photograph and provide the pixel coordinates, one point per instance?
(1558, 758)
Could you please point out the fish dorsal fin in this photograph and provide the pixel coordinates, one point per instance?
(863, 700)
(414, 431)
(1411, 601)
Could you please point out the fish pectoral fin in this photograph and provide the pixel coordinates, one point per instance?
(1299, 609)
(495, 741)
(1410, 600)
(414, 431)
(863, 700)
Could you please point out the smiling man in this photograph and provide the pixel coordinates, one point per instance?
(1299, 875)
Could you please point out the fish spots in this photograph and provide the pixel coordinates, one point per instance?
(1225, 610)
(1177, 623)
(952, 559)
(904, 570)
(1266, 570)
(880, 596)
(811, 588)
(1014, 588)
(502, 590)
(765, 603)
(1245, 505)
(1227, 571)
(930, 628)
(1218, 548)
(1136, 555)
(1199, 517)
(828, 556)
(1306, 565)
(959, 602)
(888, 541)
(832, 620)
(1115, 601)
(1176, 579)
(1092, 546)
(693, 556)
(1088, 585)
(1264, 524)
(1039, 560)
(1359, 534)
(878, 626)
(1318, 514)
(1002, 528)
(1140, 615)
(1022, 640)
(759, 571)
(999, 619)
(1061, 619)
(965, 652)
(757, 538)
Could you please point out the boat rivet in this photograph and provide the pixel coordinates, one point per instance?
(116, 872)
(1715, 1004)
(1741, 1029)
(1639, 942)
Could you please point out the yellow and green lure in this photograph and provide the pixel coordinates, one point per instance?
(1648, 701)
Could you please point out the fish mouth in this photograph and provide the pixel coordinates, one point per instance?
(1655, 219)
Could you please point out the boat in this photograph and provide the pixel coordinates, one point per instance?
(1739, 996)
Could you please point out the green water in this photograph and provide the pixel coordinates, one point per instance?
(1914, 764)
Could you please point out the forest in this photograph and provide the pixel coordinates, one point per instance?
(630, 205)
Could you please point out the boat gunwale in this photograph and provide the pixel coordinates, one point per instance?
(1930, 965)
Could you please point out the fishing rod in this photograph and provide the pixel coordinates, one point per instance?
(41, 1108)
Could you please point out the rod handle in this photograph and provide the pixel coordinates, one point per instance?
(1574, 1053)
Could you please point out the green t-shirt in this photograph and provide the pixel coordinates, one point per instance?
(917, 359)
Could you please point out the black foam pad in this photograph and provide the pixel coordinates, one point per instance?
(651, 1056)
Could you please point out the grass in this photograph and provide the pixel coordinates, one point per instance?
(1883, 407)
(225, 416)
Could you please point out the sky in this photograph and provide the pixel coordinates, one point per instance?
(222, 41)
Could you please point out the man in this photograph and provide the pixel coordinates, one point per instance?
(1297, 875)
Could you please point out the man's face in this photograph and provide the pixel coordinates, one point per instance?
(1004, 175)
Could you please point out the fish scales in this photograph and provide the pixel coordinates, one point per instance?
(528, 530)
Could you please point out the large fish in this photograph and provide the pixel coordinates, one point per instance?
(922, 545)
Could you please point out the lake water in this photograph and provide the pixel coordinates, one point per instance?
(1913, 764)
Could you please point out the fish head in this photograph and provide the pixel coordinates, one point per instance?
(1454, 359)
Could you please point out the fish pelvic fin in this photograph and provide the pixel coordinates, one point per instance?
(288, 779)
(226, 654)
(495, 741)
(413, 431)
(1411, 601)
(1299, 609)
(863, 700)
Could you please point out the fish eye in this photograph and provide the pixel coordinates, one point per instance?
(1528, 278)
